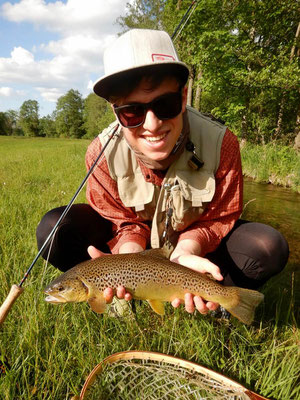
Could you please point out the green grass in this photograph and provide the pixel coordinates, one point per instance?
(51, 349)
(272, 163)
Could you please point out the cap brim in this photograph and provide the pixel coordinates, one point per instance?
(104, 85)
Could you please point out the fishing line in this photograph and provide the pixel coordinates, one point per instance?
(184, 19)
(98, 161)
(16, 290)
(47, 258)
(195, 4)
(67, 209)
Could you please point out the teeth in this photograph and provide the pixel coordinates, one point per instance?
(156, 138)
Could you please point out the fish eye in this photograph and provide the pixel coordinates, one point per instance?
(60, 288)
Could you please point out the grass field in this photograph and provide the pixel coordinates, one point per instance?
(51, 349)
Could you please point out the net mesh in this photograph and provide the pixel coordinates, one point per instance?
(147, 380)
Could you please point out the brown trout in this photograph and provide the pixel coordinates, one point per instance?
(151, 276)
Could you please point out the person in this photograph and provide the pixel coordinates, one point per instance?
(169, 173)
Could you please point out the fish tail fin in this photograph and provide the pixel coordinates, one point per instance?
(244, 309)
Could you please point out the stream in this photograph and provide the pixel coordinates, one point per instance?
(275, 206)
(280, 208)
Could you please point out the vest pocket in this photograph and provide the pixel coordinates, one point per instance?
(188, 199)
(134, 191)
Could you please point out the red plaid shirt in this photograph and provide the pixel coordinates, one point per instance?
(215, 222)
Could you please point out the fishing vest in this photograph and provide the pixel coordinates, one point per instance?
(186, 191)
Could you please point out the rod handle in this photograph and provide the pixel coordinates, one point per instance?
(14, 293)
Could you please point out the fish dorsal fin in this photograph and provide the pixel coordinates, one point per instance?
(97, 302)
(162, 252)
(157, 306)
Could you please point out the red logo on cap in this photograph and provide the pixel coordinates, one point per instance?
(162, 57)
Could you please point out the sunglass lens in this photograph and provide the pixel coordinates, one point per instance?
(164, 107)
(168, 106)
(131, 115)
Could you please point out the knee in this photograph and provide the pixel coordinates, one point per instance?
(46, 225)
(257, 252)
(270, 252)
(275, 250)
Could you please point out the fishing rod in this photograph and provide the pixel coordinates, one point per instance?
(185, 17)
(16, 290)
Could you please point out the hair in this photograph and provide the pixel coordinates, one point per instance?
(126, 83)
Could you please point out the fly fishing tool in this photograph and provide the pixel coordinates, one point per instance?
(150, 376)
(16, 290)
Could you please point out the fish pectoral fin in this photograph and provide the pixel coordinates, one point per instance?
(97, 303)
(157, 306)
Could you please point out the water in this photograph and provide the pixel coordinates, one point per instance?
(278, 207)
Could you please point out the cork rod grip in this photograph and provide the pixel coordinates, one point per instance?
(14, 293)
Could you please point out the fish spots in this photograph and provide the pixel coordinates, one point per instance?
(141, 270)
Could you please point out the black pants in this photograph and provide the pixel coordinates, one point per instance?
(248, 256)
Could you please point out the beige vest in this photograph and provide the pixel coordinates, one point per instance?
(185, 190)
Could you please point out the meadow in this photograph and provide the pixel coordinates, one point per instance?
(49, 350)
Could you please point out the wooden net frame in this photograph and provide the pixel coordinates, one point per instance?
(140, 375)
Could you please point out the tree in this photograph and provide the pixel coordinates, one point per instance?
(12, 120)
(29, 118)
(69, 115)
(3, 124)
(239, 55)
(47, 126)
(143, 14)
(97, 115)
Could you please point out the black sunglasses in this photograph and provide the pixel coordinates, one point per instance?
(164, 107)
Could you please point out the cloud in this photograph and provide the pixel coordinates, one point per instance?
(50, 94)
(90, 85)
(48, 70)
(21, 56)
(67, 18)
(6, 91)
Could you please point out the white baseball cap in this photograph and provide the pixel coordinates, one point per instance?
(138, 49)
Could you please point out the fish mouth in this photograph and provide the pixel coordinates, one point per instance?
(55, 299)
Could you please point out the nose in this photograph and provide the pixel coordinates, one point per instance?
(152, 123)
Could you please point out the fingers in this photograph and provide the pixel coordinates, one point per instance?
(200, 264)
(212, 306)
(108, 295)
(189, 303)
(195, 302)
(121, 293)
(176, 303)
(94, 253)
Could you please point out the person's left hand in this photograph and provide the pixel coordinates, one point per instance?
(201, 265)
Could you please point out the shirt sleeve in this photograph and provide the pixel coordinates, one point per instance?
(102, 194)
(226, 206)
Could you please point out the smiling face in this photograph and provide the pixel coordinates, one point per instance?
(155, 138)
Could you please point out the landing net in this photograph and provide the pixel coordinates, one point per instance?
(152, 376)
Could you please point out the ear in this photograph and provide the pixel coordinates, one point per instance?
(112, 107)
(184, 98)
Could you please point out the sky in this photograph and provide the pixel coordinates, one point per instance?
(48, 47)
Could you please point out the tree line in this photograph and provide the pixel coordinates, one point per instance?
(244, 61)
(73, 117)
